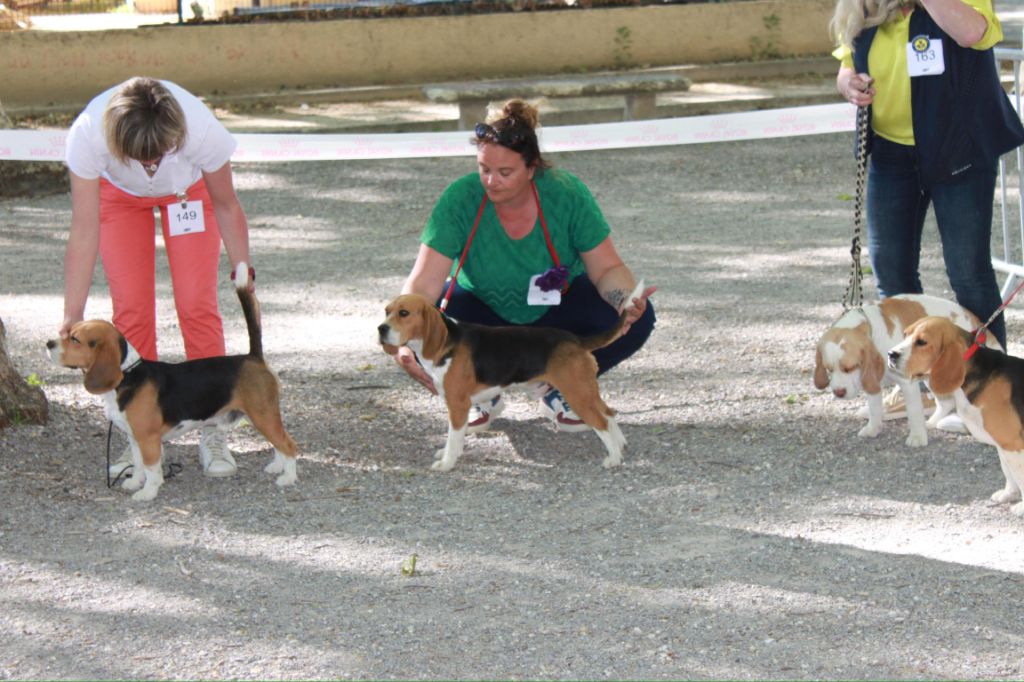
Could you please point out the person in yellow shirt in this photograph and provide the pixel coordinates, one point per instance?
(939, 121)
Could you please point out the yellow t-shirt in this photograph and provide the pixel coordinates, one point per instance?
(887, 63)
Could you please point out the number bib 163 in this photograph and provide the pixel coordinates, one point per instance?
(924, 56)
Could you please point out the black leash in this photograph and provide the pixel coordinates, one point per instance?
(170, 471)
(854, 296)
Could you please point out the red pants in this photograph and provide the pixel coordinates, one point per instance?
(128, 250)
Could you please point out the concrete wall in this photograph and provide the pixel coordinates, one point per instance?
(54, 69)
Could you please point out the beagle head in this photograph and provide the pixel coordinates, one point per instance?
(846, 362)
(932, 347)
(411, 318)
(95, 347)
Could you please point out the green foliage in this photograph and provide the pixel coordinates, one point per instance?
(623, 55)
(33, 380)
(767, 47)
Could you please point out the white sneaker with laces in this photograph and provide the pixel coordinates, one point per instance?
(554, 405)
(214, 455)
(481, 416)
(123, 462)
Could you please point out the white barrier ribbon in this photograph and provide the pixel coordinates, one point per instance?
(48, 145)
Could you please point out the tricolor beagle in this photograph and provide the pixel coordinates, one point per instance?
(470, 363)
(988, 387)
(156, 401)
(850, 357)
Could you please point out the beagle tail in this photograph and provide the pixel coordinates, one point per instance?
(250, 308)
(606, 337)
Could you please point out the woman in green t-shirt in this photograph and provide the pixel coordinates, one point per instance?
(523, 233)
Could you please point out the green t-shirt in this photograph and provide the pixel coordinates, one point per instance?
(498, 269)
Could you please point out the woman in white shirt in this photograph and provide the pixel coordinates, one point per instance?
(141, 145)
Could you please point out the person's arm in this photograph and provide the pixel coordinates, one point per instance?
(614, 281)
(428, 274)
(234, 227)
(427, 279)
(963, 23)
(82, 249)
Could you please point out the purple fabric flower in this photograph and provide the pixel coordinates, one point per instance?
(553, 279)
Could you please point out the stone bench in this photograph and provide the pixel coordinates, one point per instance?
(639, 89)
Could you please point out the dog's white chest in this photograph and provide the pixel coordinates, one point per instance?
(972, 417)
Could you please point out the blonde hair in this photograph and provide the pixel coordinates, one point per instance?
(143, 121)
(515, 127)
(853, 16)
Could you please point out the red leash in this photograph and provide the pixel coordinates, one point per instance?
(980, 334)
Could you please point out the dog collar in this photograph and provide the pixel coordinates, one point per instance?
(132, 359)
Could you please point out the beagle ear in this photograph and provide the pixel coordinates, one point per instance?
(820, 374)
(435, 332)
(950, 369)
(105, 372)
(872, 370)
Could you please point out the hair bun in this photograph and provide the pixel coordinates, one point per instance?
(522, 110)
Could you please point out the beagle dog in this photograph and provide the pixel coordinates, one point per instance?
(157, 401)
(470, 363)
(850, 357)
(986, 385)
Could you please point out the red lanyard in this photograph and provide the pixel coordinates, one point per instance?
(472, 233)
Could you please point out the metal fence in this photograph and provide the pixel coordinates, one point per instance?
(1011, 180)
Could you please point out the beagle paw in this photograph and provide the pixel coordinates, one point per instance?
(275, 465)
(1018, 509)
(1004, 496)
(917, 440)
(443, 464)
(612, 461)
(286, 479)
(147, 494)
(870, 431)
(132, 483)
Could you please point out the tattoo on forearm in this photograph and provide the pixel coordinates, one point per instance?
(616, 297)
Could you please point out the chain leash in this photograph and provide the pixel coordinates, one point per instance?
(854, 296)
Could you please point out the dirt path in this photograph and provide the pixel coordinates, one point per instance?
(749, 534)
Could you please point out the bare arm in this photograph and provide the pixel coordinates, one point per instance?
(82, 249)
(614, 281)
(234, 227)
(427, 279)
(962, 22)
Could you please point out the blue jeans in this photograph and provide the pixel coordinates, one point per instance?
(896, 208)
(582, 312)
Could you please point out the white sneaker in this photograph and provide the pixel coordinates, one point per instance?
(214, 454)
(554, 405)
(953, 423)
(123, 463)
(481, 416)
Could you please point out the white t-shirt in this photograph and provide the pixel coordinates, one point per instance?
(207, 147)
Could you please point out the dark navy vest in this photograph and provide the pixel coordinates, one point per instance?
(961, 118)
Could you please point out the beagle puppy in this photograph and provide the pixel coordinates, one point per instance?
(850, 357)
(157, 401)
(470, 363)
(986, 385)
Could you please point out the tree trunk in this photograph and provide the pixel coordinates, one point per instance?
(20, 403)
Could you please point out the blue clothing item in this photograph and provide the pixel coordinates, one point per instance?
(961, 118)
(897, 204)
(582, 312)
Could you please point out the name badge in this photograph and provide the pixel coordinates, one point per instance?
(186, 217)
(924, 56)
(537, 296)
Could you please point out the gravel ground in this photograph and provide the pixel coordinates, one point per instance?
(749, 535)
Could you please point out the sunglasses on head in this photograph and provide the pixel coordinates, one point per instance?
(507, 137)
